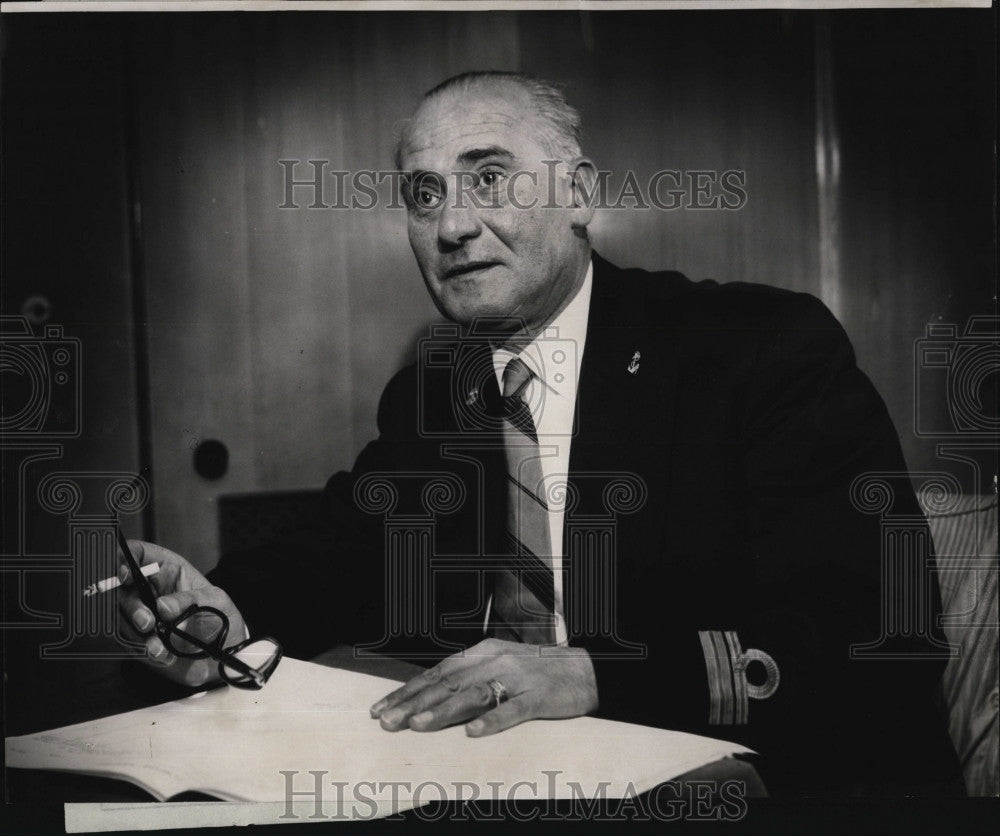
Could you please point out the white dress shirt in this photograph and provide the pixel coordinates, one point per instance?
(554, 357)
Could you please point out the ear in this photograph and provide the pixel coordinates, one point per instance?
(583, 191)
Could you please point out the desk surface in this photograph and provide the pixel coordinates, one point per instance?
(110, 687)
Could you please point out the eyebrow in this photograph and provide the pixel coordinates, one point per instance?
(474, 155)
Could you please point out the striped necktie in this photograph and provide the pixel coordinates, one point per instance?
(523, 591)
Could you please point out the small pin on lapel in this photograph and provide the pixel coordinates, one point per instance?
(472, 397)
(633, 367)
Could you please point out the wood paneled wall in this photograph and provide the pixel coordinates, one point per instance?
(274, 330)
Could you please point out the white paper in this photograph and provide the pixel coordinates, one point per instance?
(235, 744)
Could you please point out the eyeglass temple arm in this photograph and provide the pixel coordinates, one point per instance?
(230, 660)
(142, 586)
(149, 599)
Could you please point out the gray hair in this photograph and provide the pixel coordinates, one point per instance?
(560, 121)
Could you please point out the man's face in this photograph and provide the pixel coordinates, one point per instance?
(480, 216)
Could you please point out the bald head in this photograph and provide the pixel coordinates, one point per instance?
(555, 123)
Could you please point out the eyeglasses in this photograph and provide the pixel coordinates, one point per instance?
(200, 632)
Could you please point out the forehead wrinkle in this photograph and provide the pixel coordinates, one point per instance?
(470, 150)
(445, 123)
(464, 129)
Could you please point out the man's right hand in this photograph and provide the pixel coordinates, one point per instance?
(178, 585)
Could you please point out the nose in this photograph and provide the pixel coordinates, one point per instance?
(458, 221)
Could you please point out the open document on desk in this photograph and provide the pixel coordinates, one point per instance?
(240, 745)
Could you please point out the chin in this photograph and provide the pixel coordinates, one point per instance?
(464, 311)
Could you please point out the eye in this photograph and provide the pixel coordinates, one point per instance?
(491, 177)
(426, 190)
(426, 197)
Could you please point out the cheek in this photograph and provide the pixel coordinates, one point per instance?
(526, 195)
(536, 234)
(520, 229)
(421, 240)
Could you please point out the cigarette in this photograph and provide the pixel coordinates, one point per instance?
(113, 582)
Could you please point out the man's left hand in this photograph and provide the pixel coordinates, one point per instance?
(551, 684)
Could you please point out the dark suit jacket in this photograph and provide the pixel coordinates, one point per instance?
(711, 494)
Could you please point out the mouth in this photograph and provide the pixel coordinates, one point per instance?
(468, 268)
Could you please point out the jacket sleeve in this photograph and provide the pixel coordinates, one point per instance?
(843, 637)
(324, 584)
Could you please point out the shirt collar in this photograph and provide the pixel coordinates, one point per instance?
(554, 356)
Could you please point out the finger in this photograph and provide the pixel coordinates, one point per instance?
(177, 601)
(192, 673)
(412, 687)
(476, 655)
(157, 653)
(398, 717)
(504, 716)
(450, 712)
(144, 553)
(190, 633)
(128, 632)
(127, 581)
(464, 705)
(171, 565)
(137, 613)
(172, 605)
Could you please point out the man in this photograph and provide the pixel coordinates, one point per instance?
(653, 483)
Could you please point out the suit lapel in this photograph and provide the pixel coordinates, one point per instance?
(624, 418)
(619, 412)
